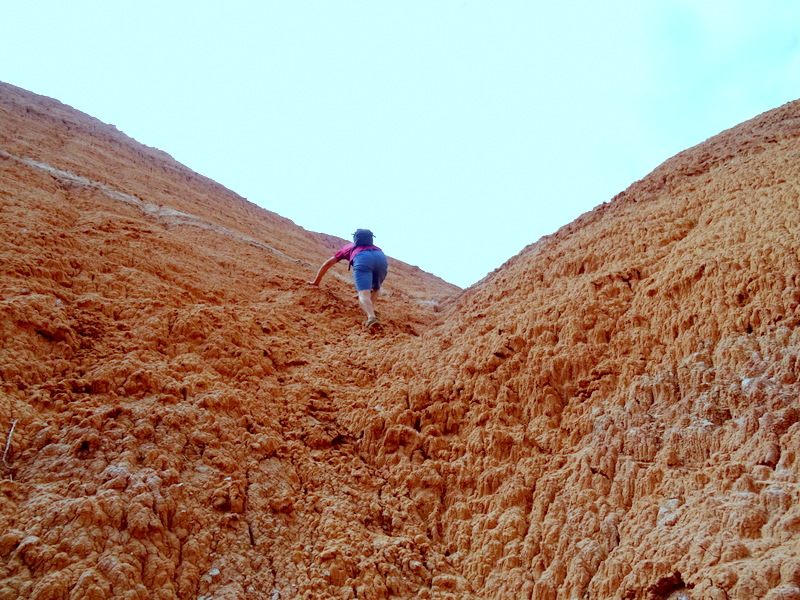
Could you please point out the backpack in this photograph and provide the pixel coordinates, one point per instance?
(362, 237)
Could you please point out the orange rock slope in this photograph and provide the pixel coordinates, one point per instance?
(613, 413)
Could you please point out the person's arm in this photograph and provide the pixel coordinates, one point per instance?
(324, 269)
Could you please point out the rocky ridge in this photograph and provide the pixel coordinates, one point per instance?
(613, 413)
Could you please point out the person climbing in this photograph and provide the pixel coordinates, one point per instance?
(370, 267)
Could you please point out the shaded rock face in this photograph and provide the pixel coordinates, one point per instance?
(613, 413)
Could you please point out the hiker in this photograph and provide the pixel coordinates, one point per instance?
(369, 270)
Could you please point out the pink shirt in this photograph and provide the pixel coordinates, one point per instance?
(347, 251)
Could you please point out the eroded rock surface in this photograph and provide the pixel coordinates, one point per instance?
(613, 413)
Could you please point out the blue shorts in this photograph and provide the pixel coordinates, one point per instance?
(369, 269)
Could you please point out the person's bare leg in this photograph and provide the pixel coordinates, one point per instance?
(374, 296)
(365, 299)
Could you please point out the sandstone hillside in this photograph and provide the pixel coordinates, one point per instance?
(613, 413)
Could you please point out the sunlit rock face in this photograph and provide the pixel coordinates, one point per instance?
(613, 413)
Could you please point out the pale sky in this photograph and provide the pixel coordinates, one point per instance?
(459, 131)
